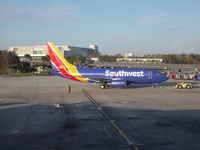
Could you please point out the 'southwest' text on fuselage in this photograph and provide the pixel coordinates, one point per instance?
(123, 73)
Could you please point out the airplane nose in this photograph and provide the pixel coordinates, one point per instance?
(163, 78)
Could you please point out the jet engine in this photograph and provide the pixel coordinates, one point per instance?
(117, 82)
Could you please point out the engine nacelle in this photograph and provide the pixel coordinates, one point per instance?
(117, 82)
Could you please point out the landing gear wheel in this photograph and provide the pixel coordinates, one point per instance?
(102, 86)
(179, 86)
(188, 86)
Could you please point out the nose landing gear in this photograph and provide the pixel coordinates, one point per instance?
(102, 86)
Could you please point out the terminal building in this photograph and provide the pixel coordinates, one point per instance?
(140, 60)
(37, 52)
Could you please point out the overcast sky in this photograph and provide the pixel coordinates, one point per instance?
(116, 26)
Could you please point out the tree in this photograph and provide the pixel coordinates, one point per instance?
(28, 57)
(45, 59)
(118, 55)
(8, 58)
(76, 60)
(107, 58)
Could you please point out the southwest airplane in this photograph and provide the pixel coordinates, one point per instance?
(107, 77)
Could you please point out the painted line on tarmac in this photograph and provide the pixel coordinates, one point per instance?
(130, 141)
(108, 133)
(15, 106)
(162, 86)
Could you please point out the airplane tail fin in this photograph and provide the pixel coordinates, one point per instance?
(61, 65)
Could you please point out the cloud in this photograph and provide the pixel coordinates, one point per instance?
(157, 18)
(33, 13)
(176, 27)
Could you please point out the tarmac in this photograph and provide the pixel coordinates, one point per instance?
(39, 113)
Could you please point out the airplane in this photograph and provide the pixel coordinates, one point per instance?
(106, 77)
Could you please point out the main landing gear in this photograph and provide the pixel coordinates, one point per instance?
(154, 85)
(103, 86)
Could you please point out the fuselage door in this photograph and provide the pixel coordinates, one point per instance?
(150, 75)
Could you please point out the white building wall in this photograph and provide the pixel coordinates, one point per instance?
(39, 51)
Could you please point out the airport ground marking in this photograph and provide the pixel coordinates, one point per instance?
(131, 130)
(15, 106)
(130, 141)
(108, 133)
